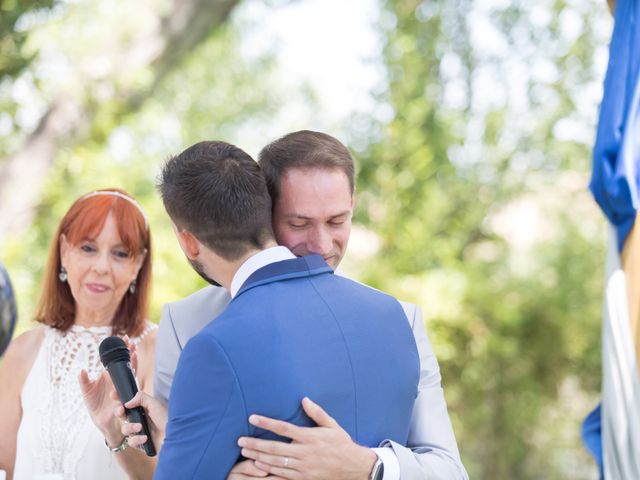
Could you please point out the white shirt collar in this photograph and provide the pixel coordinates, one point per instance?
(257, 261)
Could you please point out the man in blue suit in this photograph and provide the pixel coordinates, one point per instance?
(311, 180)
(292, 328)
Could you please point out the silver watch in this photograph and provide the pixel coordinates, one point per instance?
(122, 446)
(377, 472)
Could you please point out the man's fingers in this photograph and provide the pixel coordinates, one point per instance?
(279, 473)
(276, 461)
(317, 414)
(284, 429)
(248, 468)
(272, 447)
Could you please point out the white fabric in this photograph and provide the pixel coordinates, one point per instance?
(431, 451)
(621, 385)
(56, 438)
(257, 261)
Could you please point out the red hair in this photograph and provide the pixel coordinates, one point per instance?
(85, 219)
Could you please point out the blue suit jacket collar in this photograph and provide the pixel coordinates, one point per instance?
(295, 268)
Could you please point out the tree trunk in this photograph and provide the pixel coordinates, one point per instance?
(69, 116)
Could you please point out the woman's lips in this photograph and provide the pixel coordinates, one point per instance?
(97, 287)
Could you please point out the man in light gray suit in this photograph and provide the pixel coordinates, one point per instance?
(310, 177)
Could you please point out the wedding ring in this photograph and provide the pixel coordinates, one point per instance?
(286, 462)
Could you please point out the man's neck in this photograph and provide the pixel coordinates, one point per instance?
(226, 269)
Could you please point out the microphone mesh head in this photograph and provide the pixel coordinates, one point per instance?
(113, 349)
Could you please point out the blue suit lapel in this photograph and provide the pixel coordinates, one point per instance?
(295, 268)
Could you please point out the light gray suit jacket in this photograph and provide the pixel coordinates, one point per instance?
(431, 451)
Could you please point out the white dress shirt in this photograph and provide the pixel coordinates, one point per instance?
(256, 262)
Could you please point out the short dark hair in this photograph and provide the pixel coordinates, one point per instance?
(217, 192)
(304, 149)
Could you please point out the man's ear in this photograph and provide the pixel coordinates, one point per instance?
(189, 243)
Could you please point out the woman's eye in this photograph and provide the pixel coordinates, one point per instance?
(121, 254)
(87, 248)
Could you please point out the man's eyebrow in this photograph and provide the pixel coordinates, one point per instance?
(346, 212)
(304, 217)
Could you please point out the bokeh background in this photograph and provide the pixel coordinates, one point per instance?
(471, 121)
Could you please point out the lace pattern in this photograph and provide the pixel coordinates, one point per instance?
(66, 424)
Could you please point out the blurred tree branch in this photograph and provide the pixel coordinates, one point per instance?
(13, 58)
(70, 116)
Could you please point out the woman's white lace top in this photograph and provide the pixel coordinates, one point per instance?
(56, 438)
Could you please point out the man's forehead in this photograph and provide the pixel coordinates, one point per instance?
(328, 183)
(314, 174)
(314, 193)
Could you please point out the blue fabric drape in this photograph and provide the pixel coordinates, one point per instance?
(615, 181)
(592, 437)
(615, 177)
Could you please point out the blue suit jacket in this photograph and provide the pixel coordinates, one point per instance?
(294, 329)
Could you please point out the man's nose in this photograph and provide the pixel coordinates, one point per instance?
(320, 241)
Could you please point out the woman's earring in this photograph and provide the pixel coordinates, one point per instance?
(132, 287)
(63, 274)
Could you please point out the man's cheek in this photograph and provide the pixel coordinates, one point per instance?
(284, 237)
(294, 242)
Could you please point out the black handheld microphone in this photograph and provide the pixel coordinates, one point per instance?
(115, 357)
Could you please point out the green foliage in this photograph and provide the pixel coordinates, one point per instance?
(514, 321)
(14, 57)
(17, 19)
(471, 184)
(126, 149)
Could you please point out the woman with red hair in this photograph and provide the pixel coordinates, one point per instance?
(96, 284)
